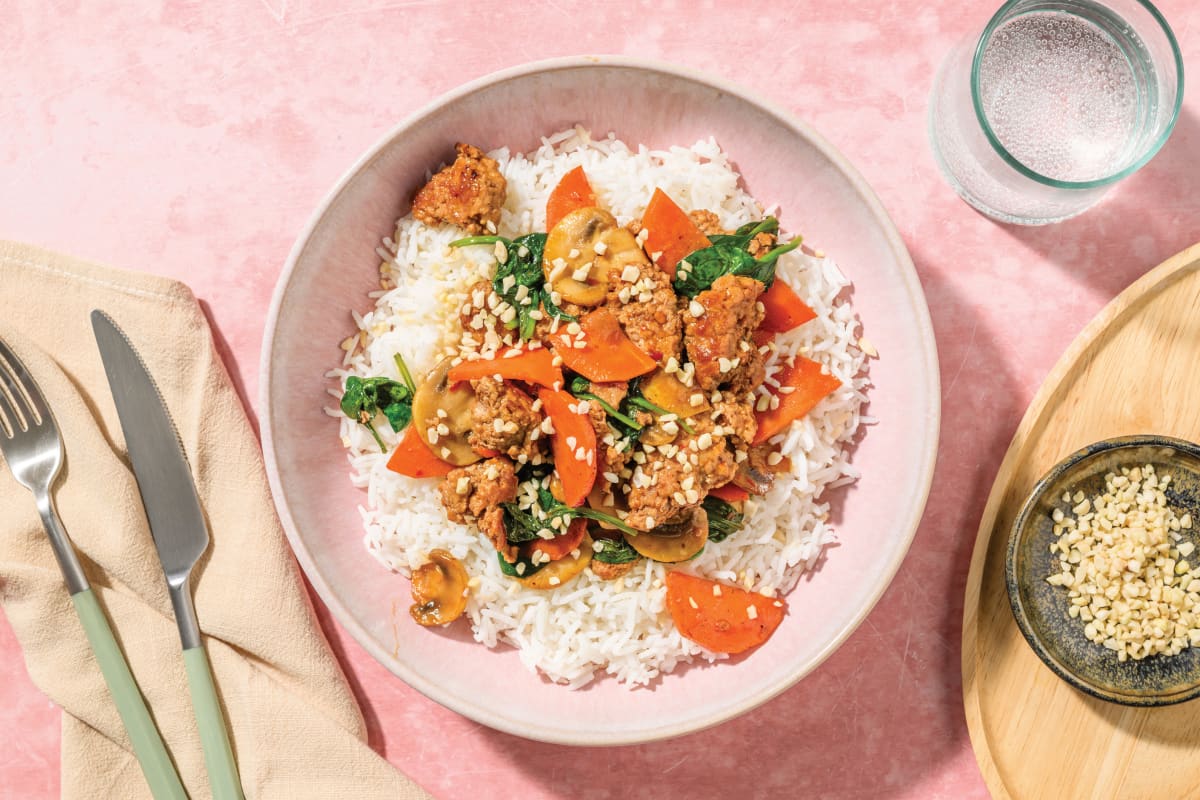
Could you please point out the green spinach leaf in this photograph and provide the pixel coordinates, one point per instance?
(520, 525)
(727, 255)
(745, 234)
(521, 267)
(614, 551)
(723, 519)
(511, 569)
(363, 398)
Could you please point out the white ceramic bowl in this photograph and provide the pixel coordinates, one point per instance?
(333, 266)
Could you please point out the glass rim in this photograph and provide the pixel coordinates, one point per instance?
(1011, 160)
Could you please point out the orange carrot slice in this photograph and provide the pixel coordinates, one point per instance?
(670, 233)
(531, 366)
(808, 383)
(721, 618)
(412, 457)
(573, 191)
(607, 355)
(573, 444)
(761, 336)
(730, 493)
(784, 308)
(562, 545)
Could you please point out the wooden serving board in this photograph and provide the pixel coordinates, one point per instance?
(1134, 369)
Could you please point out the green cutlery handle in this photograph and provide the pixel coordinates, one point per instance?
(147, 744)
(218, 755)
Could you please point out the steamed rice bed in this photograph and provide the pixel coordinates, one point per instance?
(621, 626)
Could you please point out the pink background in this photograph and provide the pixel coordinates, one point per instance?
(194, 140)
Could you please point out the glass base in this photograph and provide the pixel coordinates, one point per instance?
(978, 204)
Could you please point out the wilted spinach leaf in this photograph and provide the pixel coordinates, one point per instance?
(745, 234)
(520, 525)
(523, 264)
(511, 569)
(723, 519)
(614, 551)
(623, 423)
(728, 255)
(363, 398)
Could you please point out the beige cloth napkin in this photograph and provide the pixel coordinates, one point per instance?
(296, 730)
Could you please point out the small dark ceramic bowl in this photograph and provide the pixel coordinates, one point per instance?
(1041, 609)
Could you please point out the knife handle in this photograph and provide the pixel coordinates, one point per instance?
(218, 754)
(143, 735)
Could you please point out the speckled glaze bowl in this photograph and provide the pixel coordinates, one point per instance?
(1041, 609)
(334, 265)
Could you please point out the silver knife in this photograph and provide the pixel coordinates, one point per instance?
(177, 525)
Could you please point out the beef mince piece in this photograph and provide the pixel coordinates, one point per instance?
(736, 416)
(546, 327)
(474, 494)
(749, 373)
(761, 244)
(610, 572)
(649, 318)
(660, 495)
(710, 225)
(718, 340)
(474, 316)
(708, 222)
(468, 193)
(503, 419)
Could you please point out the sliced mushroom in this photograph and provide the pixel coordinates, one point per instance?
(752, 479)
(556, 573)
(439, 588)
(757, 474)
(622, 250)
(456, 401)
(657, 434)
(571, 250)
(679, 539)
(668, 392)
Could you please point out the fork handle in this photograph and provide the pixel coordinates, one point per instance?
(64, 553)
(147, 744)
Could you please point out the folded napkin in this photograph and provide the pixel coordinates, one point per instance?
(295, 728)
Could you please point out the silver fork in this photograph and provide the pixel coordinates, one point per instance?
(32, 447)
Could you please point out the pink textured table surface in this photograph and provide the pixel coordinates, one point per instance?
(194, 139)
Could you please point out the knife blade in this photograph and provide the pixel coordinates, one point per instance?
(177, 526)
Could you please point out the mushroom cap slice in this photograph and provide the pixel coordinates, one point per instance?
(456, 400)
(676, 540)
(439, 589)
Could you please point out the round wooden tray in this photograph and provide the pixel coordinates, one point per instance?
(1134, 369)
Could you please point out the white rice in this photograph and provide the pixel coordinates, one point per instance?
(587, 624)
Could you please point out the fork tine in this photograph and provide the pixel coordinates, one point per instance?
(21, 384)
(8, 402)
(9, 421)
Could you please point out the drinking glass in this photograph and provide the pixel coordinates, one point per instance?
(1057, 100)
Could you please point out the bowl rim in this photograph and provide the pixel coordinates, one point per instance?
(928, 453)
(1012, 583)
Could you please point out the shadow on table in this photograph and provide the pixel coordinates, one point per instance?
(1116, 242)
(884, 713)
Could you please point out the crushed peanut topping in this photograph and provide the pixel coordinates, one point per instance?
(1123, 563)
